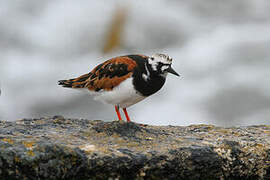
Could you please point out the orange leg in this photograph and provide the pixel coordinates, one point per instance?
(118, 113)
(126, 114)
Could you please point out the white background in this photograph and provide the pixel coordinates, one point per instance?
(220, 48)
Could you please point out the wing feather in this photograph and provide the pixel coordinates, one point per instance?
(105, 76)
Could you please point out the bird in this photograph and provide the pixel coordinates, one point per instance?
(124, 80)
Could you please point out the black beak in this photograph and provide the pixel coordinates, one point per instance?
(171, 70)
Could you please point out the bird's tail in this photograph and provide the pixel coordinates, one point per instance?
(79, 82)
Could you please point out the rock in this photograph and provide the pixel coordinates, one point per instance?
(59, 148)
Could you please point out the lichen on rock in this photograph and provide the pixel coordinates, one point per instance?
(60, 148)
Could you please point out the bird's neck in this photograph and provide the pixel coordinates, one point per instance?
(148, 81)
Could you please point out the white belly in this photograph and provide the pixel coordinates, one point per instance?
(124, 95)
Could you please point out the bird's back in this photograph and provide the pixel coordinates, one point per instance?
(105, 76)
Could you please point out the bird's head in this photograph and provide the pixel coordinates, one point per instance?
(161, 64)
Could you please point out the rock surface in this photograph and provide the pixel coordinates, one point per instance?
(59, 148)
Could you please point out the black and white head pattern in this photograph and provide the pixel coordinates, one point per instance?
(152, 73)
(160, 63)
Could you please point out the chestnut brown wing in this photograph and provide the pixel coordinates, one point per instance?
(105, 76)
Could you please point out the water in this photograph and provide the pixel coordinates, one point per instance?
(220, 49)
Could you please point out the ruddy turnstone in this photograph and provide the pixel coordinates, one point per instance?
(125, 80)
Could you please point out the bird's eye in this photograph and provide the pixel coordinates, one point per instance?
(152, 58)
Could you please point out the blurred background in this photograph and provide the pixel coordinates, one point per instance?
(220, 48)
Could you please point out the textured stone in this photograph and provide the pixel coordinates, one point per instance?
(59, 148)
